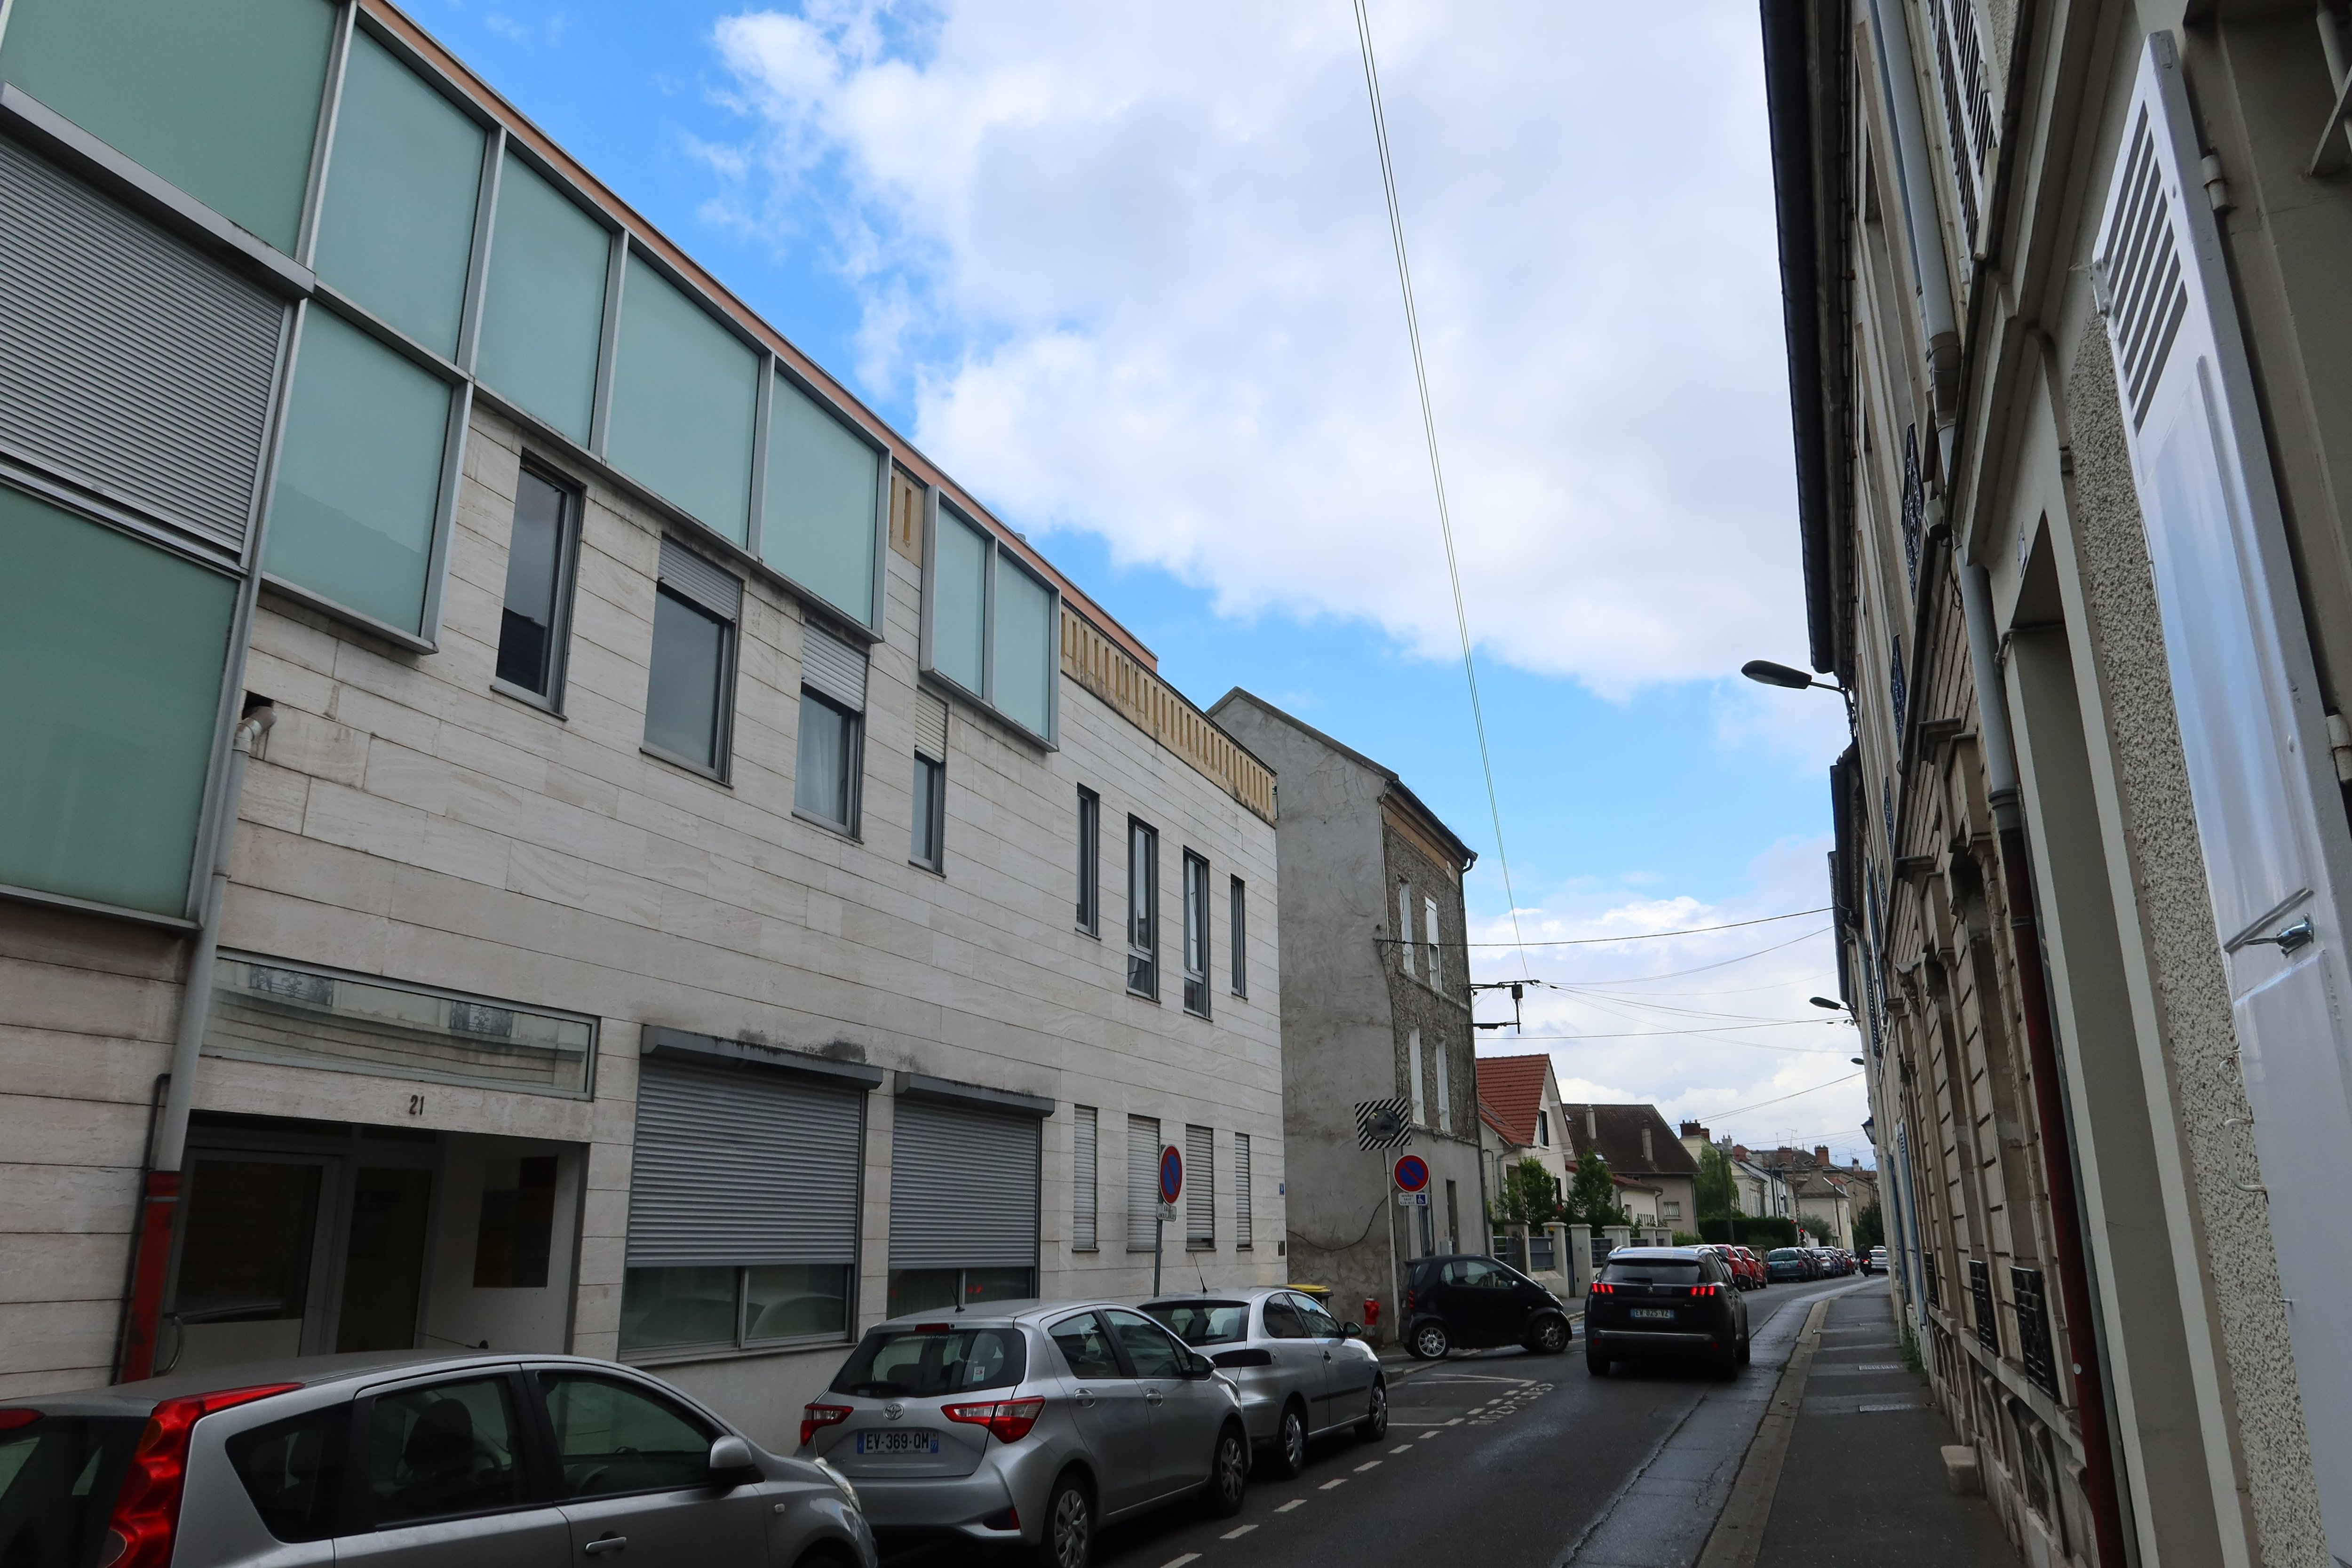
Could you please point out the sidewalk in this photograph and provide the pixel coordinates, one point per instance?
(1863, 1477)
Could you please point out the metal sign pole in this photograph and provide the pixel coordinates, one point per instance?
(1396, 1281)
(1159, 1229)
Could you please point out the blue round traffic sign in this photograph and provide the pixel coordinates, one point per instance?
(1412, 1173)
(1172, 1173)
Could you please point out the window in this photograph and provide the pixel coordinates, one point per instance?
(1282, 1320)
(832, 730)
(357, 500)
(443, 1449)
(1086, 1346)
(102, 776)
(1413, 1078)
(684, 393)
(930, 812)
(1196, 934)
(518, 1222)
(1243, 1230)
(534, 625)
(1150, 1350)
(990, 624)
(923, 1290)
(543, 314)
(662, 1308)
(1453, 1217)
(613, 1438)
(1319, 1323)
(1543, 1130)
(1444, 1092)
(1199, 1188)
(1142, 1183)
(927, 1362)
(1429, 930)
(293, 1471)
(1085, 1150)
(1089, 862)
(966, 1204)
(1673, 1208)
(686, 682)
(1237, 938)
(1143, 909)
(821, 522)
(1201, 1323)
(1404, 926)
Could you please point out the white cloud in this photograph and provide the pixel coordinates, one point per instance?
(1132, 264)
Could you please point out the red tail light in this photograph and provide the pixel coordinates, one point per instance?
(12, 1419)
(147, 1508)
(1602, 1288)
(1705, 1290)
(814, 1418)
(1009, 1419)
(1409, 1300)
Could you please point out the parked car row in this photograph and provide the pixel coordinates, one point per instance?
(1809, 1262)
(1748, 1272)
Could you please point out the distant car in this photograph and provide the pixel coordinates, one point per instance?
(1468, 1302)
(1875, 1262)
(1789, 1263)
(1758, 1276)
(1734, 1259)
(1666, 1302)
(408, 1458)
(1028, 1425)
(1300, 1372)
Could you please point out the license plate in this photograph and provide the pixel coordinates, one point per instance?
(1664, 1314)
(898, 1442)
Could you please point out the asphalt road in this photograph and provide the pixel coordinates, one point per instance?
(1526, 1461)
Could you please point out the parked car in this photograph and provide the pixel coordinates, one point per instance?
(1730, 1260)
(456, 1460)
(1468, 1302)
(1746, 1271)
(1300, 1372)
(1789, 1263)
(1666, 1302)
(1876, 1263)
(1758, 1277)
(1029, 1425)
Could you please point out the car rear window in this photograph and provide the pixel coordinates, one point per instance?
(58, 1476)
(1644, 1271)
(293, 1471)
(928, 1360)
(1785, 1255)
(1204, 1322)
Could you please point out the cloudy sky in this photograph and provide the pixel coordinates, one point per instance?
(1126, 271)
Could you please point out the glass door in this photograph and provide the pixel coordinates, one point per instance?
(247, 1288)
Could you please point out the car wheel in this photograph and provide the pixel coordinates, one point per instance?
(1375, 1424)
(1069, 1538)
(1228, 1475)
(1431, 1342)
(1594, 1361)
(1286, 1455)
(1550, 1336)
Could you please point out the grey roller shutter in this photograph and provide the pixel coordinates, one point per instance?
(1245, 1232)
(964, 1188)
(931, 727)
(128, 363)
(1142, 1183)
(690, 577)
(1086, 1143)
(832, 668)
(742, 1168)
(1200, 1187)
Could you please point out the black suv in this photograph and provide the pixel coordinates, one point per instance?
(1470, 1302)
(1666, 1301)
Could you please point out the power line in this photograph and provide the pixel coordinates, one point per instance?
(1651, 935)
(1744, 1109)
(1436, 468)
(1702, 969)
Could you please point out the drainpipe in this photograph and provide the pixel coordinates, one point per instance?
(159, 1201)
(2041, 1048)
(1931, 277)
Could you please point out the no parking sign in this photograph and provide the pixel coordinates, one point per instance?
(1412, 1172)
(1171, 1179)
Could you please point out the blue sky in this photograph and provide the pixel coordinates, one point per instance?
(1127, 274)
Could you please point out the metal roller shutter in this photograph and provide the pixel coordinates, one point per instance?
(128, 363)
(1142, 1183)
(1084, 1145)
(1200, 1187)
(742, 1168)
(689, 574)
(833, 668)
(931, 727)
(964, 1188)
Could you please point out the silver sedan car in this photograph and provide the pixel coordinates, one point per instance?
(1028, 1425)
(398, 1460)
(1300, 1372)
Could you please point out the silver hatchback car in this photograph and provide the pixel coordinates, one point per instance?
(397, 1461)
(1300, 1373)
(1028, 1425)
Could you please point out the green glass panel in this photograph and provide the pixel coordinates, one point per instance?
(958, 590)
(822, 510)
(396, 227)
(360, 480)
(221, 99)
(683, 397)
(542, 321)
(1024, 648)
(113, 651)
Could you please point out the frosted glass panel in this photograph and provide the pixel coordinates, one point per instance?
(220, 98)
(957, 587)
(396, 229)
(683, 404)
(1024, 648)
(546, 302)
(359, 480)
(114, 651)
(822, 505)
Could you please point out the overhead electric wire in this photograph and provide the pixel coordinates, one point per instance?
(1678, 974)
(1651, 935)
(1744, 1109)
(1436, 468)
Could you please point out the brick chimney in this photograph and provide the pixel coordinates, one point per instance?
(1821, 1154)
(1739, 1151)
(1694, 1139)
(1649, 1158)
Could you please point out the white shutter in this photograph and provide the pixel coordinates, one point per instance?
(1085, 1145)
(1405, 925)
(1444, 1092)
(2270, 818)
(1429, 934)
(1142, 1184)
(831, 666)
(1245, 1232)
(930, 726)
(1412, 1070)
(1199, 1186)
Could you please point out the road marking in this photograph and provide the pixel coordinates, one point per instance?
(1327, 1486)
(1180, 1562)
(1237, 1534)
(1426, 1437)
(1880, 1366)
(1872, 1409)
(1456, 1422)
(1368, 1465)
(1294, 1502)
(1401, 1447)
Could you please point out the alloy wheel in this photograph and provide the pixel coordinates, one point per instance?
(1376, 1415)
(1072, 1528)
(1431, 1341)
(1294, 1442)
(1233, 1468)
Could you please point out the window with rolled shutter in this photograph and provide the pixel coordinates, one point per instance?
(2270, 820)
(1085, 1142)
(1142, 1183)
(742, 1168)
(1200, 1187)
(1244, 1231)
(964, 1188)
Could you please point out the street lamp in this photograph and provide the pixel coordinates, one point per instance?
(1765, 671)
(1825, 1002)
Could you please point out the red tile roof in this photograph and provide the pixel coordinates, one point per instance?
(1513, 1087)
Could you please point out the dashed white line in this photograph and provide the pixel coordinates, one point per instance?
(1180, 1562)
(1368, 1465)
(1426, 1437)
(1294, 1502)
(1456, 1422)
(1237, 1534)
(1327, 1486)
(1401, 1447)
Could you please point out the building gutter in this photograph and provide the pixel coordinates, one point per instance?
(2059, 1170)
(158, 1198)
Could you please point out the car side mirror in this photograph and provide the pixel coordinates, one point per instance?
(1200, 1366)
(731, 1464)
(1352, 1331)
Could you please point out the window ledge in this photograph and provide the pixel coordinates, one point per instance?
(939, 871)
(528, 698)
(1200, 1247)
(699, 770)
(829, 825)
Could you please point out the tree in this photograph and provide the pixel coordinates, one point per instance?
(1530, 1196)
(1592, 1195)
(1869, 1230)
(1814, 1225)
(1715, 1193)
